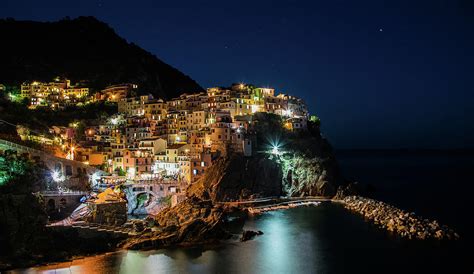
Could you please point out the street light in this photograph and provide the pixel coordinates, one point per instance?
(57, 176)
(114, 121)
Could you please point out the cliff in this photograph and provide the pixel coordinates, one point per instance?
(306, 166)
(238, 177)
(83, 49)
(192, 221)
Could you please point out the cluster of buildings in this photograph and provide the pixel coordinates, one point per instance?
(178, 139)
(60, 93)
(152, 140)
(55, 94)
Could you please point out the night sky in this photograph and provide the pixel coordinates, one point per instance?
(379, 74)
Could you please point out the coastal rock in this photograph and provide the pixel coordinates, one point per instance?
(405, 224)
(347, 190)
(249, 234)
(190, 222)
(237, 177)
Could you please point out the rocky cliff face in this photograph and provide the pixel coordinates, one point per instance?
(190, 222)
(238, 177)
(312, 171)
(305, 167)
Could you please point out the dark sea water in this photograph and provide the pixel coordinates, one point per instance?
(327, 238)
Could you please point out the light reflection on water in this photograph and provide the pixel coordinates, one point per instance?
(323, 239)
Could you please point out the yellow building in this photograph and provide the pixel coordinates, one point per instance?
(155, 110)
(76, 92)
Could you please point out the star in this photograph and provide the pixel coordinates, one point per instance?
(380, 29)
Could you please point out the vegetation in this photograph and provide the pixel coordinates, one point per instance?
(41, 118)
(306, 159)
(166, 200)
(302, 173)
(269, 129)
(20, 175)
(120, 171)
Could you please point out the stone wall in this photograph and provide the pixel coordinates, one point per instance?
(108, 213)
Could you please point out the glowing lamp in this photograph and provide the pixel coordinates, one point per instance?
(57, 176)
(254, 108)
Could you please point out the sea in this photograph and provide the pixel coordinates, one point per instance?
(328, 238)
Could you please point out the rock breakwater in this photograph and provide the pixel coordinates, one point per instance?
(406, 224)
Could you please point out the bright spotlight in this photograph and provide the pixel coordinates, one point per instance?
(95, 177)
(275, 147)
(131, 173)
(254, 108)
(57, 176)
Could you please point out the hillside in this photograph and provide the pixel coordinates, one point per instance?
(83, 49)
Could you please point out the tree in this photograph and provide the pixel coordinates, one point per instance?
(20, 175)
(120, 171)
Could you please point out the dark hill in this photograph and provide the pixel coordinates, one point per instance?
(83, 49)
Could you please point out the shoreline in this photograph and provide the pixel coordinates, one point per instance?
(365, 207)
(403, 223)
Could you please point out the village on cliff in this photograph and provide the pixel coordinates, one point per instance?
(156, 147)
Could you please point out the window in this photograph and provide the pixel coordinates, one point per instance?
(68, 170)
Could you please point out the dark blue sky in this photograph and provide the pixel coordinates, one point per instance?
(380, 74)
